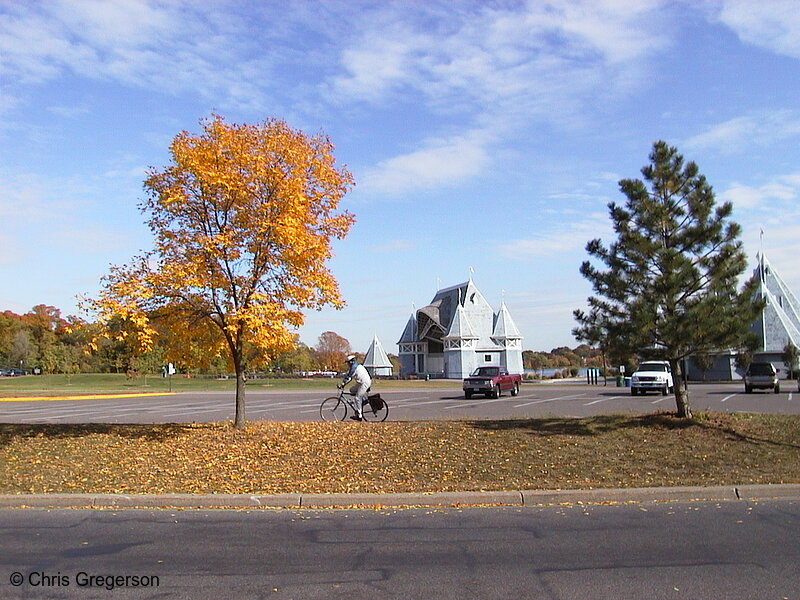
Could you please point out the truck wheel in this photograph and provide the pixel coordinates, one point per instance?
(496, 392)
(777, 388)
(515, 389)
(634, 391)
(467, 395)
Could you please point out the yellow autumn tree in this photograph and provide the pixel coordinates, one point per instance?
(243, 220)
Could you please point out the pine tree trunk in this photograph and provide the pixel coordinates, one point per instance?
(681, 392)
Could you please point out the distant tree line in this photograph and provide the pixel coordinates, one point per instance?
(563, 357)
(44, 341)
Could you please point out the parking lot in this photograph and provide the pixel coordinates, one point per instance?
(534, 400)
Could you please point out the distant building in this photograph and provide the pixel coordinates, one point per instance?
(780, 320)
(779, 324)
(776, 327)
(376, 360)
(457, 332)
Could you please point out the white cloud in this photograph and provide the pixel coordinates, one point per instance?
(500, 66)
(488, 54)
(439, 163)
(783, 188)
(171, 47)
(740, 133)
(774, 208)
(374, 71)
(568, 239)
(773, 25)
(503, 68)
(54, 209)
(780, 245)
(90, 38)
(748, 197)
(70, 111)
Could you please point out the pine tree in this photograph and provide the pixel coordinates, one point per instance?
(790, 355)
(670, 288)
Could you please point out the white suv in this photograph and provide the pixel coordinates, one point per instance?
(652, 375)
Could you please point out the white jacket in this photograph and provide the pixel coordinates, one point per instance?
(360, 374)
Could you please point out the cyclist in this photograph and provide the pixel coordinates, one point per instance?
(363, 381)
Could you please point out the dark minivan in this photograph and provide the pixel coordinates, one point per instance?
(761, 375)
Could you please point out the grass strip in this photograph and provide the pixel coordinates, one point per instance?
(273, 457)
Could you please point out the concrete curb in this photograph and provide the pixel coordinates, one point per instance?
(444, 499)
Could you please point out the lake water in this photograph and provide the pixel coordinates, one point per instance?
(551, 372)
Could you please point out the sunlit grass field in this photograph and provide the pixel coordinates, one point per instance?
(109, 383)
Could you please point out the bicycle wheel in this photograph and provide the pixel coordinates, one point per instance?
(333, 409)
(378, 415)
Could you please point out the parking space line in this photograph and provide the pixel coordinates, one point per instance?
(603, 400)
(393, 402)
(190, 411)
(572, 397)
(472, 404)
(297, 407)
(304, 405)
(412, 399)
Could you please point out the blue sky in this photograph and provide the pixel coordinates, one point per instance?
(483, 135)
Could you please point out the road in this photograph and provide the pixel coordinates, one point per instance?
(535, 400)
(728, 550)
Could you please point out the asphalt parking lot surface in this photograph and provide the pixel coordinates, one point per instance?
(534, 400)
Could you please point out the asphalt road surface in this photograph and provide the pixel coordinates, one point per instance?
(728, 550)
(535, 400)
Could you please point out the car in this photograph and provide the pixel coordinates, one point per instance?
(491, 382)
(652, 375)
(761, 375)
(15, 372)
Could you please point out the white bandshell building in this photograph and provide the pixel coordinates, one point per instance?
(779, 323)
(376, 361)
(458, 332)
(777, 326)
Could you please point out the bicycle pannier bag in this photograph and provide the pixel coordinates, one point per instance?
(375, 402)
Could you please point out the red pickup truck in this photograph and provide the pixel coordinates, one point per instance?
(491, 381)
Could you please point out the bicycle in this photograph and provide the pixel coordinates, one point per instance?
(335, 408)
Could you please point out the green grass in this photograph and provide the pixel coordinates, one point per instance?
(100, 383)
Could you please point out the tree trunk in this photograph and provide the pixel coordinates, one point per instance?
(240, 387)
(605, 369)
(681, 391)
(238, 365)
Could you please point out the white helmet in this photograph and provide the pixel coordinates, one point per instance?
(351, 357)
